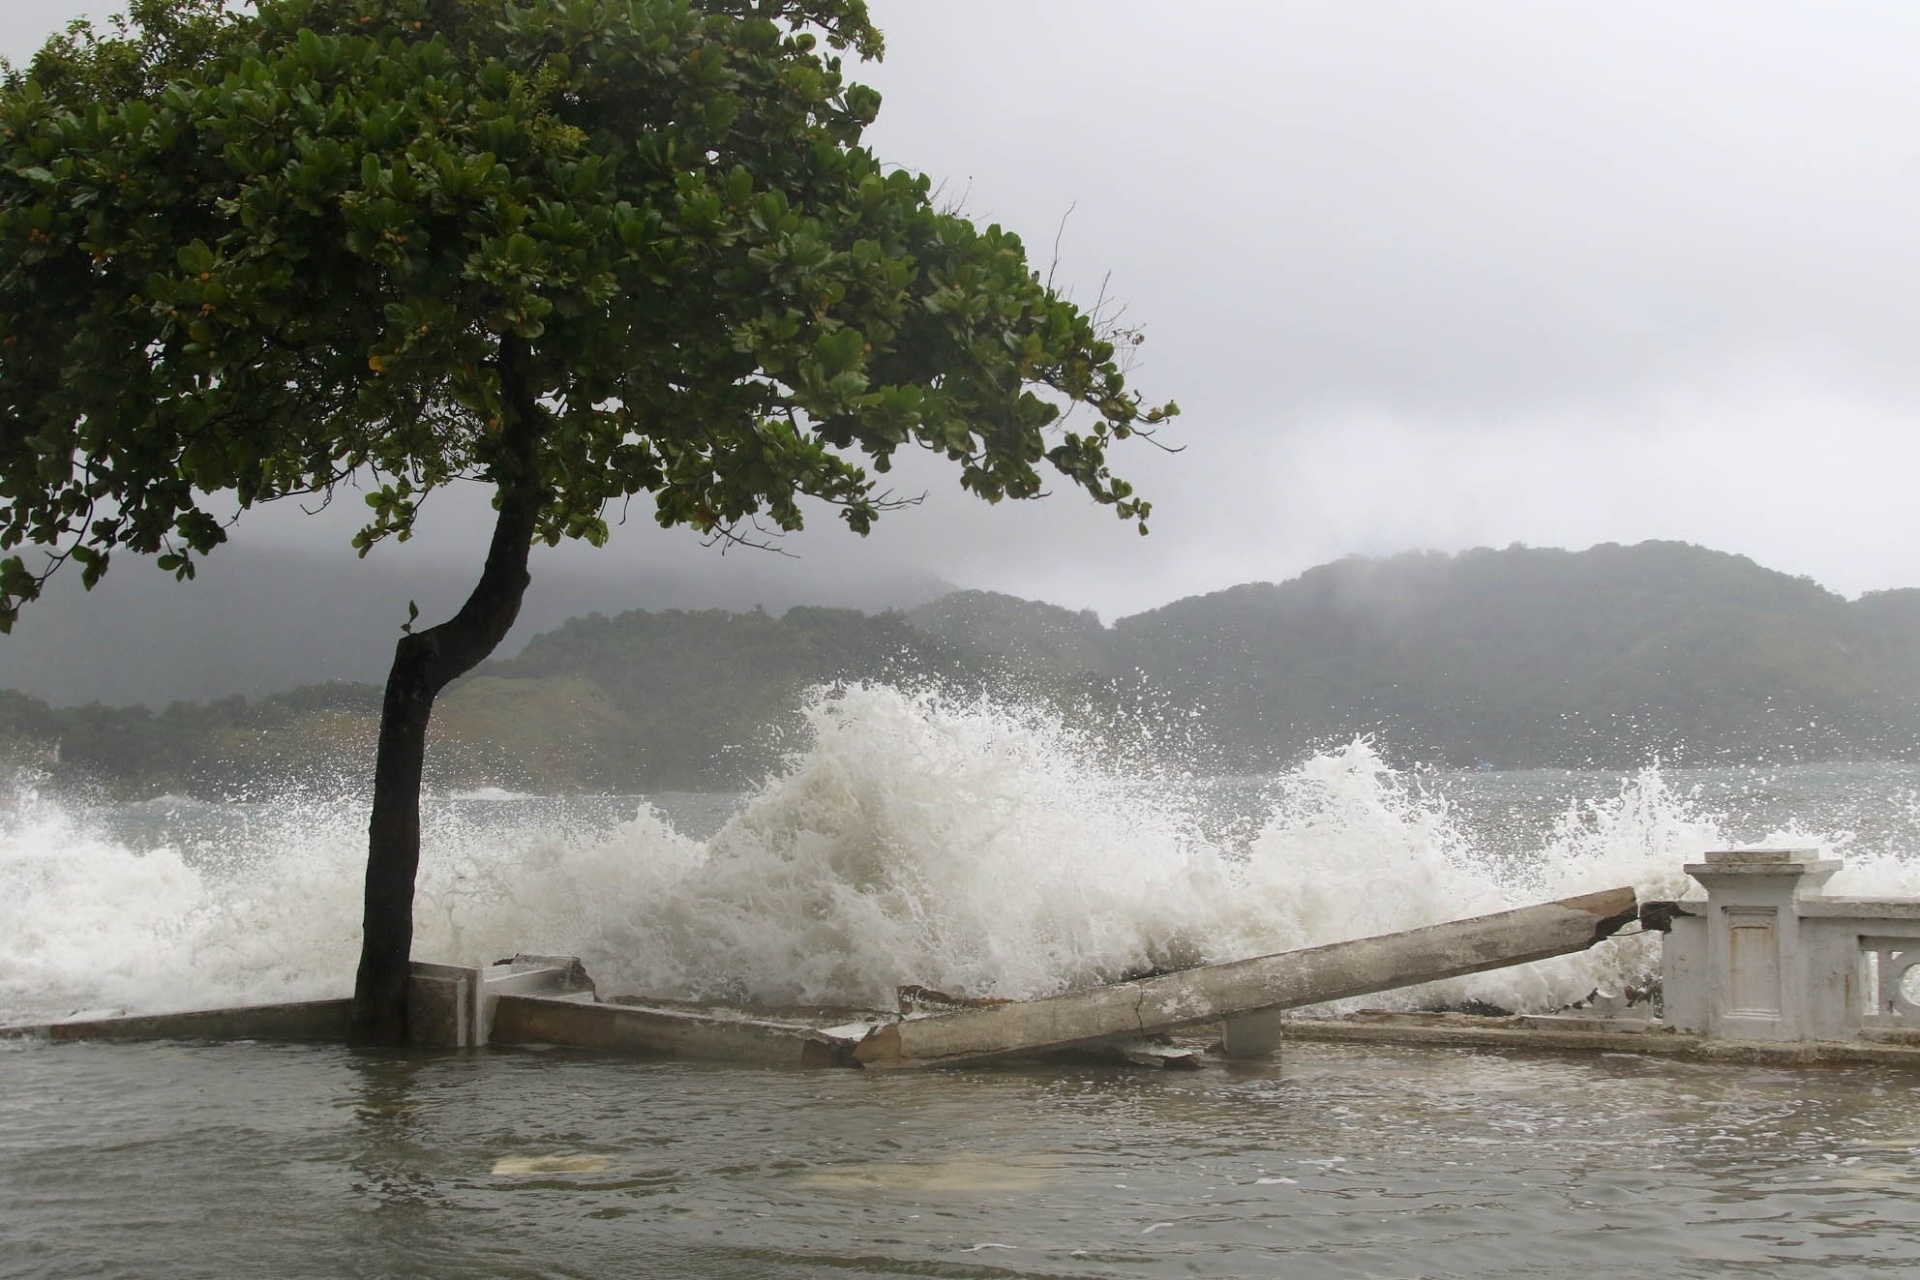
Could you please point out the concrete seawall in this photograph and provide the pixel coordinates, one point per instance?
(321, 1020)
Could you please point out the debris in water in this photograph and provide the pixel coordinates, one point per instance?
(519, 1166)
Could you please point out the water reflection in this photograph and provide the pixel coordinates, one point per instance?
(392, 1164)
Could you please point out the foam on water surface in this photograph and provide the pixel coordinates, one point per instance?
(962, 845)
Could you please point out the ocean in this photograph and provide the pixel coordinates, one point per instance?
(978, 849)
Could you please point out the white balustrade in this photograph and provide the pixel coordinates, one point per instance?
(1769, 955)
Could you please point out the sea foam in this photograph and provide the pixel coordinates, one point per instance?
(958, 843)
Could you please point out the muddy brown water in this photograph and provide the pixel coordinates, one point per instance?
(1336, 1161)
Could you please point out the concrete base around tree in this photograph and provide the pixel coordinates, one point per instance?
(669, 1029)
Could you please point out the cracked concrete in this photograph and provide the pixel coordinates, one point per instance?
(1232, 990)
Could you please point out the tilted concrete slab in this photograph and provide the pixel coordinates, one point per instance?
(323, 1020)
(1218, 992)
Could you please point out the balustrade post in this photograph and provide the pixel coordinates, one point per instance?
(1755, 975)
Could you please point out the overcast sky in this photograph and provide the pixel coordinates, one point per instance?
(1420, 276)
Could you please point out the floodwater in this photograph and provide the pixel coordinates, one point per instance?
(1338, 1161)
(971, 848)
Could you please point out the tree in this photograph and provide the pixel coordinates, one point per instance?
(578, 250)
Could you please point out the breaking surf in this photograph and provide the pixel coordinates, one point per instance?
(963, 844)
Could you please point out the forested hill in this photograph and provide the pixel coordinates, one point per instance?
(1545, 657)
(1521, 657)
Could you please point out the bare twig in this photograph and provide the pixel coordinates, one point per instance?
(1059, 232)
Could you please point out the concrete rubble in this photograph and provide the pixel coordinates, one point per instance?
(1262, 985)
(550, 1000)
(1766, 967)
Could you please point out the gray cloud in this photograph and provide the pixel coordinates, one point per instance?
(1460, 211)
(1420, 276)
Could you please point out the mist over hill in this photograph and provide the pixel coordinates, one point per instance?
(1544, 657)
(1520, 657)
(259, 619)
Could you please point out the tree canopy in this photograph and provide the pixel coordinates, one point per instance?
(244, 256)
(580, 250)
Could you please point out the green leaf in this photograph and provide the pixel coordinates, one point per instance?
(579, 251)
(195, 258)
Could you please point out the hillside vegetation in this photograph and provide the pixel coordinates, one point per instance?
(1542, 657)
(1521, 657)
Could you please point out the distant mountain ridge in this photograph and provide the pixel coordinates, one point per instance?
(1516, 657)
(1019, 636)
(1545, 657)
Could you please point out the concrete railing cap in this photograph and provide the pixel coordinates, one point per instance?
(1763, 862)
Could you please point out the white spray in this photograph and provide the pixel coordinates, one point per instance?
(963, 845)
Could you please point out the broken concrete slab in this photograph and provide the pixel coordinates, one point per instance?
(321, 1020)
(443, 1007)
(550, 1000)
(670, 1030)
(451, 1007)
(1544, 1034)
(1253, 1035)
(1217, 992)
(1161, 1054)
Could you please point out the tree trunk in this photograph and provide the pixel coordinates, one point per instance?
(424, 663)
